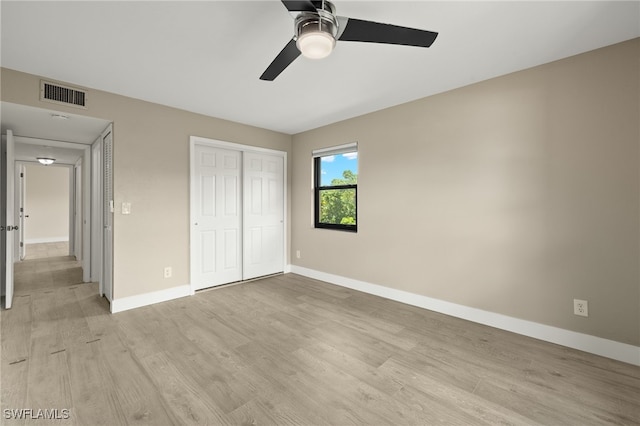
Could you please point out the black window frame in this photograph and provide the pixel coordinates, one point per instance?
(318, 188)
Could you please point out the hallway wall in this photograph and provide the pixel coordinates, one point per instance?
(47, 204)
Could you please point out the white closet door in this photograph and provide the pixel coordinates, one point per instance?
(263, 214)
(216, 232)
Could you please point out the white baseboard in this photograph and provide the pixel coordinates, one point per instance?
(46, 240)
(584, 342)
(140, 300)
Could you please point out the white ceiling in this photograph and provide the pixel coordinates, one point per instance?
(42, 123)
(206, 56)
(41, 133)
(30, 152)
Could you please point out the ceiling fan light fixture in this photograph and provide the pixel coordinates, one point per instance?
(316, 44)
(317, 28)
(316, 32)
(46, 161)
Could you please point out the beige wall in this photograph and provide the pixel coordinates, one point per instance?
(515, 195)
(47, 203)
(151, 171)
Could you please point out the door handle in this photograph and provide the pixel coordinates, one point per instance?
(2, 228)
(11, 228)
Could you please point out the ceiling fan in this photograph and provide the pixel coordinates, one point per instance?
(317, 27)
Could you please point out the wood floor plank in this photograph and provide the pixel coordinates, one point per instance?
(16, 330)
(95, 400)
(139, 399)
(203, 324)
(629, 412)
(72, 324)
(582, 386)
(537, 405)
(182, 394)
(49, 269)
(14, 377)
(357, 401)
(268, 410)
(374, 377)
(363, 347)
(143, 332)
(351, 315)
(45, 315)
(48, 380)
(95, 309)
(434, 406)
(426, 389)
(222, 382)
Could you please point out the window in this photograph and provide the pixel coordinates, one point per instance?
(336, 187)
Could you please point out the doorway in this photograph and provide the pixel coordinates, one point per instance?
(238, 198)
(68, 139)
(47, 256)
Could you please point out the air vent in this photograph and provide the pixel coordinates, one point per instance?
(59, 94)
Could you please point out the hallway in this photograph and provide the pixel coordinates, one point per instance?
(47, 265)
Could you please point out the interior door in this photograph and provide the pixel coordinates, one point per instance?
(22, 213)
(263, 229)
(8, 223)
(216, 215)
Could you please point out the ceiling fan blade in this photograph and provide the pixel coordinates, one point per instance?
(299, 6)
(374, 32)
(282, 61)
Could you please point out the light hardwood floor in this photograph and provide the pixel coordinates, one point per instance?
(46, 266)
(289, 350)
(42, 250)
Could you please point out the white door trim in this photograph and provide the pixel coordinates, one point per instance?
(72, 199)
(96, 214)
(198, 140)
(101, 251)
(78, 215)
(108, 206)
(86, 215)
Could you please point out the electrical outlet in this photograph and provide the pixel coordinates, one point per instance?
(581, 307)
(167, 272)
(298, 254)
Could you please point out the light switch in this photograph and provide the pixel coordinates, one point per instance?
(126, 208)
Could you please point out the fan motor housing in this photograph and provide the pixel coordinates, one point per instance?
(324, 20)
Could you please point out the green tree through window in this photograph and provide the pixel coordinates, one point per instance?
(336, 188)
